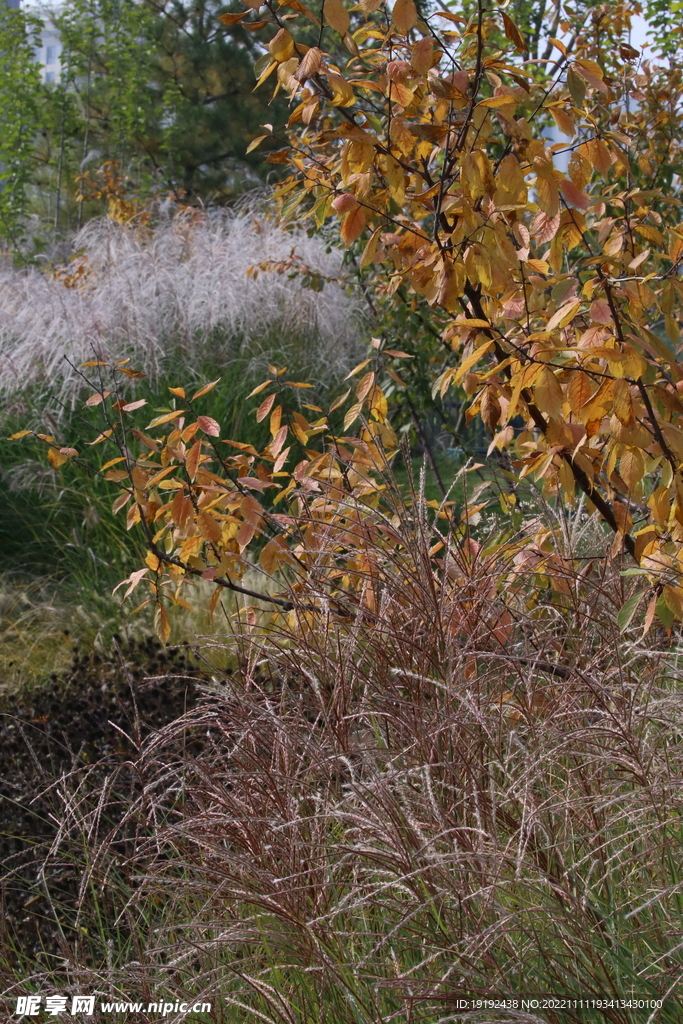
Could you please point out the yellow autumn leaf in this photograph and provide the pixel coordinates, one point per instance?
(336, 16)
(281, 46)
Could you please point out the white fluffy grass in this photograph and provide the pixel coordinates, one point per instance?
(177, 297)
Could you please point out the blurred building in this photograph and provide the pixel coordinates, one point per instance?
(49, 52)
(49, 47)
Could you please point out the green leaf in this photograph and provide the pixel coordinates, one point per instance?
(261, 64)
(628, 610)
(666, 616)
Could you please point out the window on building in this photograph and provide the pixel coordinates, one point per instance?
(50, 54)
(49, 76)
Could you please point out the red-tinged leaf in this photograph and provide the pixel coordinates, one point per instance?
(205, 389)
(181, 509)
(245, 534)
(19, 433)
(209, 426)
(166, 418)
(252, 482)
(251, 509)
(130, 406)
(102, 437)
(98, 397)
(281, 459)
(573, 195)
(192, 460)
(70, 453)
(265, 407)
(261, 387)
(398, 354)
(601, 312)
(178, 392)
(345, 203)
(276, 444)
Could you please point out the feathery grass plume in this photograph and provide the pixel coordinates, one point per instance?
(468, 787)
(178, 296)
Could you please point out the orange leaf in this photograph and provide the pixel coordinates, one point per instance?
(404, 16)
(209, 528)
(162, 624)
(202, 391)
(166, 418)
(260, 387)
(513, 34)
(352, 226)
(192, 459)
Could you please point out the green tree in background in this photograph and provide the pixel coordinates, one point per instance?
(19, 119)
(160, 91)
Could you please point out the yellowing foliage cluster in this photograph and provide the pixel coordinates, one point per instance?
(557, 264)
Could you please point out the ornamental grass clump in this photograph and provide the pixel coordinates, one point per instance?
(465, 783)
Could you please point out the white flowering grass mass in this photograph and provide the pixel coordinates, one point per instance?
(178, 297)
